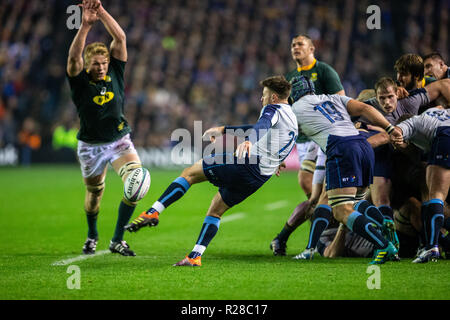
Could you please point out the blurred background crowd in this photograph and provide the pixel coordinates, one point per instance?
(195, 59)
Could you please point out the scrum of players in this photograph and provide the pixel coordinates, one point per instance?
(407, 198)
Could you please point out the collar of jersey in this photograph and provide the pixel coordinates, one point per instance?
(308, 67)
(95, 83)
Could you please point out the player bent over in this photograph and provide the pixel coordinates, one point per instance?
(97, 85)
(350, 158)
(270, 141)
(431, 132)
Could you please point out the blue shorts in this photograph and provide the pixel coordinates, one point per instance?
(350, 162)
(236, 181)
(440, 148)
(383, 157)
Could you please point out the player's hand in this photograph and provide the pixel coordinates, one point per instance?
(396, 136)
(89, 12)
(280, 167)
(402, 93)
(243, 149)
(212, 133)
(91, 4)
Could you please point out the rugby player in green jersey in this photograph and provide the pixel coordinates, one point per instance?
(326, 81)
(97, 88)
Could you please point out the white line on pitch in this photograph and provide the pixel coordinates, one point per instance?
(234, 216)
(79, 258)
(276, 205)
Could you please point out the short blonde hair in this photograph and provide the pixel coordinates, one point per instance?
(94, 49)
(366, 94)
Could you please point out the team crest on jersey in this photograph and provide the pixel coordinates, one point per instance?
(120, 126)
(101, 100)
(313, 76)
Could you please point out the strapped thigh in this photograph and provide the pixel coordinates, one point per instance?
(126, 169)
(339, 199)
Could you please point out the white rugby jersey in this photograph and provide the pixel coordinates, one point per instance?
(421, 129)
(322, 115)
(277, 142)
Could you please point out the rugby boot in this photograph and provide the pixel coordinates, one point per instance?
(428, 255)
(308, 254)
(122, 248)
(144, 219)
(278, 247)
(89, 246)
(387, 254)
(189, 262)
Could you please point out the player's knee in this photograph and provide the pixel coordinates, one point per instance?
(342, 206)
(127, 168)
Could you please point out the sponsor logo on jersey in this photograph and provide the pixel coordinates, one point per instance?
(102, 99)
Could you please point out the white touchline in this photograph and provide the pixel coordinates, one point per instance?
(234, 216)
(276, 205)
(79, 258)
(231, 217)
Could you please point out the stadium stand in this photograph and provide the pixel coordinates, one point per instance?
(200, 60)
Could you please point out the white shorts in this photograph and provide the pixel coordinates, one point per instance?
(308, 155)
(319, 172)
(95, 157)
(307, 151)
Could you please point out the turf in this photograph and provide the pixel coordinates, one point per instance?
(43, 222)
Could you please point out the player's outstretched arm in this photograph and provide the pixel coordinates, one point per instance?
(439, 88)
(212, 133)
(118, 46)
(75, 58)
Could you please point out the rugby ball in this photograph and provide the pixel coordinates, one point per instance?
(137, 184)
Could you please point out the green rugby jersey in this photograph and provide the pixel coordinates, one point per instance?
(100, 105)
(325, 79)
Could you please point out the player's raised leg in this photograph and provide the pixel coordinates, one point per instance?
(208, 231)
(174, 192)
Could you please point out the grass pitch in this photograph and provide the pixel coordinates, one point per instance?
(43, 223)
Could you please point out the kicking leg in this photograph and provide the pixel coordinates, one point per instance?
(174, 192)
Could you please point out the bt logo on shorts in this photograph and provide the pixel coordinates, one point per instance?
(349, 179)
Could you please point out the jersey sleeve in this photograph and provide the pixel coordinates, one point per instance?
(330, 80)
(344, 99)
(408, 127)
(413, 102)
(78, 81)
(118, 66)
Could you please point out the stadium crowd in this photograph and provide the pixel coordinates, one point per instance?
(192, 60)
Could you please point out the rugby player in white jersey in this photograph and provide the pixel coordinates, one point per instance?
(239, 174)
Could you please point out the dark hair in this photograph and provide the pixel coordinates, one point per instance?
(433, 55)
(404, 117)
(383, 83)
(410, 63)
(304, 36)
(279, 85)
